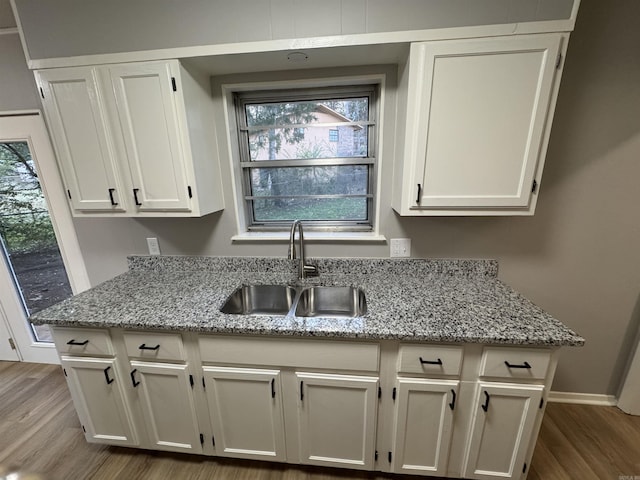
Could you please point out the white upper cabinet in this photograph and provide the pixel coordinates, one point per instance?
(134, 139)
(478, 116)
(78, 124)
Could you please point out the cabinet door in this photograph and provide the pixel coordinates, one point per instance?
(153, 134)
(424, 417)
(502, 427)
(166, 397)
(76, 116)
(96, 389)
(480, 120)
(337, 418)
(246, 412)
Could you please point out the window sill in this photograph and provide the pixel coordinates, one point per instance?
(310, 237)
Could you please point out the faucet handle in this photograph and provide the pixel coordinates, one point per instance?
(311, 270)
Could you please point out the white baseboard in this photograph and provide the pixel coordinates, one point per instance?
(583, 398)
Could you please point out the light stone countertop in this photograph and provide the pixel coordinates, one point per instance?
(459, 301)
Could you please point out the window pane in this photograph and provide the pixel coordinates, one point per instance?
(336, 209)
(309, 143)
(308, 111)
(27, 240)
(327, 180)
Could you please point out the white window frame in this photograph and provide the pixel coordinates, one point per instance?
(231, 133)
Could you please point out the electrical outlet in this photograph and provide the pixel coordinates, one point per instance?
(154, 246)
(400, 247)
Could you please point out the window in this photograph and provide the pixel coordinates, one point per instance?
(308, 154)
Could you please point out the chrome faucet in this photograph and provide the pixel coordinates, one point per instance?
(303, 268)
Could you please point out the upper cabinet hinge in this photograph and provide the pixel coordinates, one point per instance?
(534, 186)
(173, 84)
(189, 191)
(41, 92)
(12, 344)
(559, 60)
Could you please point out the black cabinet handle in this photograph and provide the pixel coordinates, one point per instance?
(485, 407)
(73, 342)
(133, 377)
(510, 365)
(452, 405)
(113, 202)
(301, 390)
(135, 196)
(419, 192)
(430, 362)
(144, 347)
(106, 376)
(273, 388)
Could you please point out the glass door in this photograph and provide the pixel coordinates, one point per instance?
(33, 270)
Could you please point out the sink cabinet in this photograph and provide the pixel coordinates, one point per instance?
(446, 410)
(245, 408)
(134, 139)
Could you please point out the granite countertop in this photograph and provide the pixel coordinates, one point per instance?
(408, 299)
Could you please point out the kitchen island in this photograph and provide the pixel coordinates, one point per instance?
(447, 373)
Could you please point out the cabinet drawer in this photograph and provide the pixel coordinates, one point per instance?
(154, 346)
(284, 352)
(430, 359)
(515, 363)
(82, 341)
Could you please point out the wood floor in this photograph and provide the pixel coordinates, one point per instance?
(40, 432)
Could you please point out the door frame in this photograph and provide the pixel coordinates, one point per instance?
(29, 126)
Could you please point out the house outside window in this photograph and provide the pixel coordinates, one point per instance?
(292, 168)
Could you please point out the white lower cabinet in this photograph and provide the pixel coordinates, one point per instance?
(505, 416)
(337, 419)
(433, 410)
(245, 407)
(423, 425)
(165, 392)
(96, 386)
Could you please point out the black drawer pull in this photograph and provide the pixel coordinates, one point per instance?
(485, 407)
(273, 388)
(430, 362)
(144, 347)
(418, 198)
(524, 365)
(73, 342)
(133, 377)
(301, 390)
(452, 405)
(135, 196)
(106, 376)
(113, 202)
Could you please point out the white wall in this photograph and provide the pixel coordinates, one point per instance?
(98, 26)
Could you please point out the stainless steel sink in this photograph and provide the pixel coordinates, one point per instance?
(331, 302)
(260, 300)
(302, 302)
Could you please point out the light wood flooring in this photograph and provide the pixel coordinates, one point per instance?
(39, 431)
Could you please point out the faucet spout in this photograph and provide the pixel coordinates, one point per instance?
(303, 268)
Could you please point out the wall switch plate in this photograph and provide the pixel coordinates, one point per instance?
(154, 246)
(400, 247)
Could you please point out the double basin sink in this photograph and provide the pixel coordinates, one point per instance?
(299, 301)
